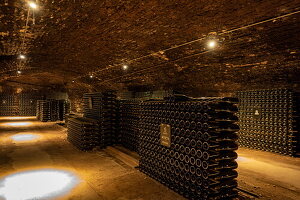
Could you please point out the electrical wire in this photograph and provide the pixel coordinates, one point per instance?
(229, 31)
(196, 40)
(26, 27)
(22, 48)
(261, 22)
(23, 40)
(157, 66)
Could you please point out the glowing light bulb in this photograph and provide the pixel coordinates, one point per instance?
(125, 67)
(21, 56)
(212, 44)
(19, 72)
(32, 5)
(91, 76)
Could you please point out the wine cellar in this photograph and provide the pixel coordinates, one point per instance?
(149, 100)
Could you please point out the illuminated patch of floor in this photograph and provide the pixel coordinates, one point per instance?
(37, 184)
(16, 124)
(15, 118)
(241, 159)
(24, 137)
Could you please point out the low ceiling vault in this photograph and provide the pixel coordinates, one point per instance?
(163, 44)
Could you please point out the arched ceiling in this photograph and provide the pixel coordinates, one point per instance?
(74, 39)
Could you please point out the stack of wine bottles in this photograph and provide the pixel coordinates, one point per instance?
(83, 133)
(69, 116)
(54, 110)
(8, 105)
(129, 123)
(102, 107)
(27, 104)
(190, 145)
(43, 110)
(268, 120)
(23, 104)
(109, 120)
(51, 110)
(93, 105)
(63, 109)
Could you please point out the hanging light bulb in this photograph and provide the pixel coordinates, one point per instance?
(32, 5)
(21, 56)
(211, 44)
(125, 67)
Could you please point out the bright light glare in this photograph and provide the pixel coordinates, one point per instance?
(32, 5)
(19, 72)
(91, 76)
(241, 159)
(37, 184)
(23, 137)
(17, 124)
(211, 44)
(13, 118)
(22, 56)
(125, 67)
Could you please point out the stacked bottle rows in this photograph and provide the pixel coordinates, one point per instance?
(51, 110)
(27, 104)
(69, 116)
(63, 109)
(109, 123)
(93, 105)
(200, 162)
(43, 110)
(18, 105)
(102, 107)
(8, 105)
(83, 133)
(129, 116)
(54, 110)
(268, 120)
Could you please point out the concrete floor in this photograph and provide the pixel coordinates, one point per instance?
(102, 176)
(269, 175)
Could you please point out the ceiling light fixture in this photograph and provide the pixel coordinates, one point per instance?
(211, 44)
(125, 67)
(21, 56)
(32, 5)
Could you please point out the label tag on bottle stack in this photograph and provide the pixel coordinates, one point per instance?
(165, 135)
(257, 112)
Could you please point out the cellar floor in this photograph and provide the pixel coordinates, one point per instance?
(102, 176)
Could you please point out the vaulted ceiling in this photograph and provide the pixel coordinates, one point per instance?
(164, 44)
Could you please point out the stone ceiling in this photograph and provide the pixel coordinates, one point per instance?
(72, 40)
